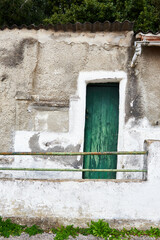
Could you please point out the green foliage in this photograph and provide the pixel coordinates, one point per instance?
(98, 229)
(33, 230)
(145, 13)
(103, 230)
(65, 232)
(83, 11)
(8, 228)
(23, 11)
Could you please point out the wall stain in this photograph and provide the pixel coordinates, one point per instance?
(4, 77)
(34, 143)
(65, 160)
(12, 58)
(6, 160)
(133, 103)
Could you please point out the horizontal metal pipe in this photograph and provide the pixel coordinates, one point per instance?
(149, 43)
(72, 153)
(72, 170)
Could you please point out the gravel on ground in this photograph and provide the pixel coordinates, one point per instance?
(50, 236)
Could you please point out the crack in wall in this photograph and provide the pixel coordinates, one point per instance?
(34, 73)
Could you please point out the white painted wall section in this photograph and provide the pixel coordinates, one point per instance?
(79, 201)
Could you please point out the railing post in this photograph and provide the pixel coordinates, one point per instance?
(153, 160)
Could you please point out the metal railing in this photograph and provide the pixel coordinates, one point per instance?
(72, 154)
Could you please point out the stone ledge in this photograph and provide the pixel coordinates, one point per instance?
(76, 180)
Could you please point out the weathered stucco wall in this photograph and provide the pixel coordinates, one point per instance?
(149, 81)
(43, 85)
(43, 79)
(142, 103)
(123, 203)
(39, 71)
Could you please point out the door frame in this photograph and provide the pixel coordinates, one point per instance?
(78, 103)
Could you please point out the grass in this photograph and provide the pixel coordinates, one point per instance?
(97, 229)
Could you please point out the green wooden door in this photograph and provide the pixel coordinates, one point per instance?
(101, 129)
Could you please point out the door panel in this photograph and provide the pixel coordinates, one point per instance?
(101, 128)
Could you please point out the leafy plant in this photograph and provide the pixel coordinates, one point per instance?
(33, 230)
(98, 229)
(8, 228)
(65, 232)
(102, 229)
